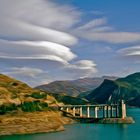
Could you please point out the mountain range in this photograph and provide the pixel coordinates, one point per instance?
(16, 95)
(74, 87)
(127, 88)
(100, 90)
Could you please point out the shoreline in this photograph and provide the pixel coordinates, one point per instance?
(32, 123)
(22, 123)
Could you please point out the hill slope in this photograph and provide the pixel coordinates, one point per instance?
(20, 105)
(127, 88)
(15, 95)
(74, 87)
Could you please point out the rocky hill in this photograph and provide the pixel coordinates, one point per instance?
(15, 95)
(74, 87)
(127, 88)
(25, 110)
(18, 96)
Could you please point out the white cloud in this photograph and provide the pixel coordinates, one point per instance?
(93, 23)
(81, 69)
(46, 13)
(25, 71)
(33, 76)
(35, 50)
(131, 57)
(113, 37)
(130, 51)
(85, 64)
(21, 30)
(37, 20)
(98, 30)
(37, 76)
(102, 29)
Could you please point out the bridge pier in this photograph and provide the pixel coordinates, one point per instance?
(81, 112)
(122, 110)
(73, 111)
(88, 112)
(67, 109)
(96, 112)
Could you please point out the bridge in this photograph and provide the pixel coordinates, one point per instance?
(99, 111)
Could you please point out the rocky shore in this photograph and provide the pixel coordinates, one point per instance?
(29, 123)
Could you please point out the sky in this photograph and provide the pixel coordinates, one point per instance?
(46, 40)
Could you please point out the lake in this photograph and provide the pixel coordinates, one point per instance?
(90, 131)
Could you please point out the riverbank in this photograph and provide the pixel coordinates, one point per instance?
(29, 123)
(90, 131)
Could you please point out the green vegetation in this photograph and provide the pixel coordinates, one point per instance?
(127, 88)
(17, 96)
(69, 100)
(38, 95)
(33, 106)
(5, 108)
(26, 107)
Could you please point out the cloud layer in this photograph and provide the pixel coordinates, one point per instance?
(114, 37)
(82, 69)
(37, 20)
(33, 76)
(35, 50)
(37, 40)
(98, 30)
(37, 33)
(130, 51)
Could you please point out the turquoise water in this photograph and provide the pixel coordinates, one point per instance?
(90, 131)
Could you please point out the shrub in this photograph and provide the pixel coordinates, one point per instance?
(39, 95)
(33, 106)
(30, 106)
(7, 108)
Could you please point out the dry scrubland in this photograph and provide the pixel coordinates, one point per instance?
(37, 122)
(24, 110)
